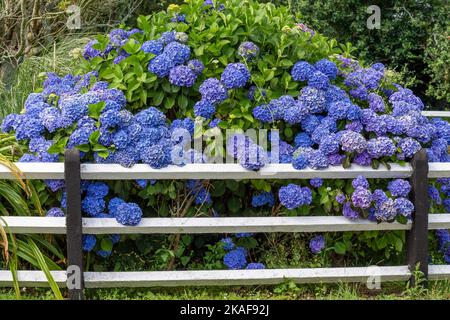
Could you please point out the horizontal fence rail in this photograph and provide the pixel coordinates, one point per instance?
(436, 114)
(224, 277)
(200, 225)
(225, 171)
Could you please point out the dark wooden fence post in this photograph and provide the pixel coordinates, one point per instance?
(72, 176)
(417, 237)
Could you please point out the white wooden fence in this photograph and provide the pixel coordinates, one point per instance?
(49, 225)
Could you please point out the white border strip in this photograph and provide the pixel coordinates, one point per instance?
(203, 171)
(200, 225)
(213, 277)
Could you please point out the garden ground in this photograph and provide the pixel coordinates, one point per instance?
(437, 290)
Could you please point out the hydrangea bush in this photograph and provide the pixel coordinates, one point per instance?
(142, 95)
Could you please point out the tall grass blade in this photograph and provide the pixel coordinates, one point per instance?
(43, 266)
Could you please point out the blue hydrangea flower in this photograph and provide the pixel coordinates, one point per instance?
(381, 147)
(235, 75)
(336, 159)
(113, 204)
(293, 196)
(51, 119)
(362, 198)
(329, 144)
(54, 212)
(255, 266)
(29, 128)
(399, 188)
(227, 243)
(182, 76)
(10, 122)
(348, 212)
(161, 65)
(434, 194)
(262, 199)
(103, 253)
(317, 244)
(379, 196)
(214, 123)
(213, 90)
(312, 99)
(235, 259)
(80, 136)
(89, 242)
(252, 157)
(150, 117)
(109, 119)
(363, 159)
(327, 67)
(318, 80)
(340, 198)
(97, 190)
(404, 207)
(386, 211)
(409, 147)
(203, 197)
(317, 160)
(153, 46)
(353, 142)
(93, 206)
(128, 214)
(301, 71)
(303, 140)
(196, 66)
(167, 37)
(177, 52)
(248, 50)
(316, 182)
(376, 102)
(54, 184)
(204, 109)
(300, 161)
(118, 37)
(360, 181)
(157, 156)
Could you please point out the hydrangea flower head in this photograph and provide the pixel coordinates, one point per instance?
(128, 214)
(196, 66)
(204, 109)
(248, 50)
(262, 199)
(235, 259)
(54, 212)
(89, 242)
(302, 70)
(213, 90)
(182, 76)
(227, 243)
(399, 188)
(317, 244)
(235, 75)
(255, 266)
(327, 67)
